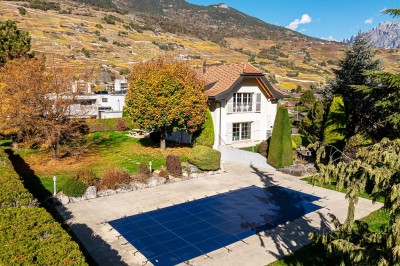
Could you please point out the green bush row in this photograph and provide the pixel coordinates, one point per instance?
(109, 124)
(29, 235)
(12, 190)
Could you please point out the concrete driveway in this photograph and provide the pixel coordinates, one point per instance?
(88, 219)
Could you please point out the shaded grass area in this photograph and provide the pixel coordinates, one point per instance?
(108, 150)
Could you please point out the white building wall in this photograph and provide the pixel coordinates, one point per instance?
(261, 121)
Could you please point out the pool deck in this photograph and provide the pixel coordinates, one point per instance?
(88, 219)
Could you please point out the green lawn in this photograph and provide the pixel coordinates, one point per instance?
(109, 150)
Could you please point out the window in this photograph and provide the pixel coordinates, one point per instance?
(241, 131)
(242, 102)
(104, 100)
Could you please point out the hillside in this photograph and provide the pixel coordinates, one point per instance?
(83, 36)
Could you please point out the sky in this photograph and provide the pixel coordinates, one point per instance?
(328, 19)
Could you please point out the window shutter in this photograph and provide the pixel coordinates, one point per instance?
(229, 106)
(256, 130)
(228, 136)
(258, 102)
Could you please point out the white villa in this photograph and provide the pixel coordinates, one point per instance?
(243, 104)
(98, 106)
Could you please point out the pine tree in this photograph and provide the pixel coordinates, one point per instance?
(13, 42)
(358, 59)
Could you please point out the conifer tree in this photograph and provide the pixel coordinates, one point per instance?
(280, 152)
(13, 42)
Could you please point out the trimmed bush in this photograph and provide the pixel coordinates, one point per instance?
(174, 165)
(205, 135)
(280, 152)
(262, 148)
(109, 124)
(143, 171)
(74, 187)
(12, 190)
(30, 236)
(205, 158)
(87, 176)
(335, 126)
(113, 178)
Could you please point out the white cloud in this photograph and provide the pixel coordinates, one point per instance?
(305, 19)
(369, 21)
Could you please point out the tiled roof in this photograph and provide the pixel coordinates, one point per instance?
(220, 78)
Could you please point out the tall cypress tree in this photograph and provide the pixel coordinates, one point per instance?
(358, 59)
(280, 152)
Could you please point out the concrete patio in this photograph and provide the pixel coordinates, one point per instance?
(88, 219)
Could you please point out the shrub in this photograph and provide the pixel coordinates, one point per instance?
(164, 173)
(174, 165)
(143, 171)
(280, 152)
(109, 124)
(205, 158)
(30, 236)
(205, 135)
(21, 10)
(87, 176)
(298, 141)
(113, 178)
(74, 187)
(262, 148)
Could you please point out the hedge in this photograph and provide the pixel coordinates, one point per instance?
(205, 158)
(280, 152)
(29, 235)
(12, 190)
(109, 124)
(205, 136)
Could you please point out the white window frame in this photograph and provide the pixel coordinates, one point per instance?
(241, 131)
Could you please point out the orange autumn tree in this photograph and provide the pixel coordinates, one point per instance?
(36, 103)
(165, 96)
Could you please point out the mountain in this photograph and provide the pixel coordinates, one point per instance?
(385, 35)
(213, 22)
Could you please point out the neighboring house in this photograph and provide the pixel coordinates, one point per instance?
(243, 104)
(98, 106)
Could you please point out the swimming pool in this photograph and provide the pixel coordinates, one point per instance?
(181, 232)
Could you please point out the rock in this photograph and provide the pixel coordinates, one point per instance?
(155, 181)
(194, 175)
(211, 173)
(64, 199)
(193, 168)
(299, 170)
(76, 199)
(156, 173)
(220, 171)
(90, 193)
(185, 174)
(135, 185)
(124, 188)
(107, 192)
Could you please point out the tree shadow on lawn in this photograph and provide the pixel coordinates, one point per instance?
(292, 235)
(33, 184)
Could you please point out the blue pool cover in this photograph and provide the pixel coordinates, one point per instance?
(181, 232)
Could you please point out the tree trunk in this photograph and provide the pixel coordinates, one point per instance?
(163, 144)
